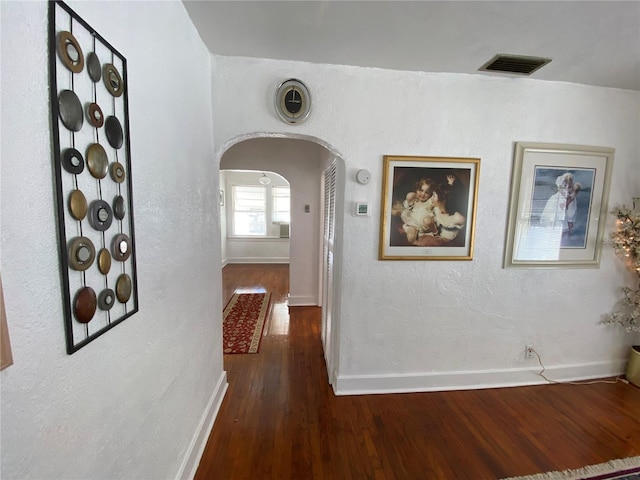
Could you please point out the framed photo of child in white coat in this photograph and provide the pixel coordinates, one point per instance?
(428, 208)
(558, 207)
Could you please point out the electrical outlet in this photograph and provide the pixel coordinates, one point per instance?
(528, 351)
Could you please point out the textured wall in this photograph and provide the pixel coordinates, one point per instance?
(129, 404)
(421, 325)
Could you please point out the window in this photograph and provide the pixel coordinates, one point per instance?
(281, 204)
(249, 207)
(259, 210)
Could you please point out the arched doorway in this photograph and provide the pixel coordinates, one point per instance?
(315, 239)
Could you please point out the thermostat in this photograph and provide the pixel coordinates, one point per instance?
(361, 209)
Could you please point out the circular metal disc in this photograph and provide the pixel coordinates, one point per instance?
(100, 215)
(70, 110)
(104, 261)
(94, 69)
(121, 247)
(113, 129)
(94, 114)
(112, 79)
(84, 305)
(72, 161)
(123, 288)
(117, 172)
(106, 299)
(77, 204)
(118, 207)
(81, 253)
(70, 52)
(97, 160)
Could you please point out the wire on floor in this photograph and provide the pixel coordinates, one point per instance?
(586, 382)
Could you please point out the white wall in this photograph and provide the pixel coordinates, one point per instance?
(298, 162)
(434, 325)
(131, 403)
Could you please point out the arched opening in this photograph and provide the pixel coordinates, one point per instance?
(315, 173)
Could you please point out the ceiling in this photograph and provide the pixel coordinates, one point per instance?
(589, 42)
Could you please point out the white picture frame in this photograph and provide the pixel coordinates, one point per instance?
(558, 205)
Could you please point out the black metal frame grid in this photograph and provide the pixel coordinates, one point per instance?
(79, 334)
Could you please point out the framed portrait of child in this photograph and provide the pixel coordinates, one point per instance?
(558, 205)
(428, 208)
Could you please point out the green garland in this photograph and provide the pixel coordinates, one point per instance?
(626, 243)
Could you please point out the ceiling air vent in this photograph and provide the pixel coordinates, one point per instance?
(516, 64)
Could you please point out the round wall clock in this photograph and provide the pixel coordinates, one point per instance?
(293, 101)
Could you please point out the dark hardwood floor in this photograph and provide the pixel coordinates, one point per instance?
(281, 420)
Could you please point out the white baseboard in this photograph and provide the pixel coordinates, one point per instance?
(472, 380)
(257, 260)
(199, 441)
(302, 301)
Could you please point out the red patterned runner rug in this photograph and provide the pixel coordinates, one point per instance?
(243, 322)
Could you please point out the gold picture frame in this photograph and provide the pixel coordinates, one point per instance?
(558, 205)
(6, 358)
(428, 208)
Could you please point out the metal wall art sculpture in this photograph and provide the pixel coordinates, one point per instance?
(92, 168)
